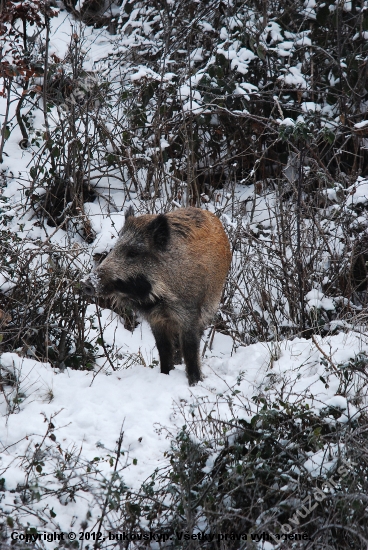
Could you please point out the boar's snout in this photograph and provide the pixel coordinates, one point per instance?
(88, 286)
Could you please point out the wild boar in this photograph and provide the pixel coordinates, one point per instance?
(171, 268)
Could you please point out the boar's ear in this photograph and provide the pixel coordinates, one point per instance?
(129, 212)
(160, 231)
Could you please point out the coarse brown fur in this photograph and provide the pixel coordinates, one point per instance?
(172, 268)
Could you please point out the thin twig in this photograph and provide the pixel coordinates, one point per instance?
(108, 493)
(325, 355)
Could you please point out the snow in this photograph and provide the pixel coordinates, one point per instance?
(192, 106)
(206, 26)
(106, 226)
(273, 30)
(309, 10)
(303, 41)
(284, 49)
(89, 409)
(185, 91)
(363, 123)
(144, 72)
(316, 299)
(223, 34)
(337, 401)
(287, 122)
(6, 283)
(164, 143)
(294, 77)
(251, 88)
(357, 193)
(317, 465)
(239, 91)
(310, 106)
(240, 57)
(196, 55)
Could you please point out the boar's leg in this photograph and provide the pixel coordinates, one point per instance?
(178, 356)
(191, 341)
(165, 348)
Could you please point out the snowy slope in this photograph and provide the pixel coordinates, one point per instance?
(89, 411)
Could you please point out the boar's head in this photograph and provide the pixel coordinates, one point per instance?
(131, 270)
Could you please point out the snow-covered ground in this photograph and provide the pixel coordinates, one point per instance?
(88, 411)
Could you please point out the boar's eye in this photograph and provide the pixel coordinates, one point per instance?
(132, 253)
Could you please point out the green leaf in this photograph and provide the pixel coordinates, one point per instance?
(329, 136)
(221, 59)
(128, 8)
(322, 15)
(261, 50)
(10, 522)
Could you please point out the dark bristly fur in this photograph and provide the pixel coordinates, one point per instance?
(172, 268)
